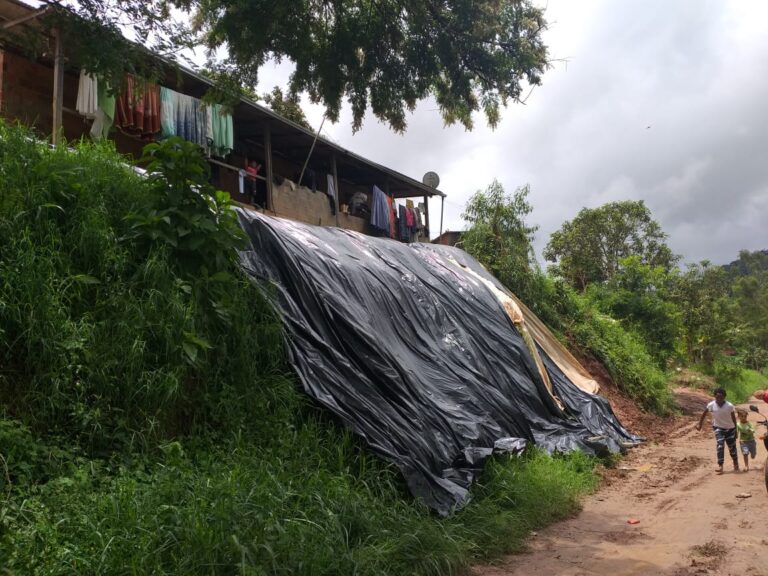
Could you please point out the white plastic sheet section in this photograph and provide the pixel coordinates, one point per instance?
(409, 346)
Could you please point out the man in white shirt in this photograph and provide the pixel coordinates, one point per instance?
(724, 424)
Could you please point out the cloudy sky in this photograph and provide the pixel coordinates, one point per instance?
(660, 101)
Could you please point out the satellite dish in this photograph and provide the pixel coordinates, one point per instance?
(431, 179)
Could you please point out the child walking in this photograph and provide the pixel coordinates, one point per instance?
(724, 424)
(746, 438)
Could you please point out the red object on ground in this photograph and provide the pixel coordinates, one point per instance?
(633, 521)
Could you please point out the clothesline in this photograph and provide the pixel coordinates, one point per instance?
(150, 109)
(392, 219)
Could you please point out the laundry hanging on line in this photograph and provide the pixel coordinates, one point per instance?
(380, 211)
(220, 131)
(105, 112)
(190, 118)
(392, 217)
(87, 95)
(137, 108)
(331, 193)
(181, 115)
(146, 109)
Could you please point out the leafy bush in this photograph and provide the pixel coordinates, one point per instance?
(637, 295)
(727, 368)
(114, 329)
(499, 237)
(739, 382)
(620, 350)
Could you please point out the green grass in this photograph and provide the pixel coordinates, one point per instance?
(741, 387)
(149, 422)
(329, 508)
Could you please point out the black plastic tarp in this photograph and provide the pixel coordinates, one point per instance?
(416, 355)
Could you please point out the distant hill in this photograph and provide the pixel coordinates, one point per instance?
(748, 263)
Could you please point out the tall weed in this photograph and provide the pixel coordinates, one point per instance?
(238, 507)
(617, 347)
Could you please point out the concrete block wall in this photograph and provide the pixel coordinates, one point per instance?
(300, 203)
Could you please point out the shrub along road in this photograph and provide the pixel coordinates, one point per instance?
(691, 520)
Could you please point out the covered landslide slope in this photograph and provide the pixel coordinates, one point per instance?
(413, 347)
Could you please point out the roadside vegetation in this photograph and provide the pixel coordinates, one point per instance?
(149, 422)
(616, 292)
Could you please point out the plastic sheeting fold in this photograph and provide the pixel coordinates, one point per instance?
(411, 348)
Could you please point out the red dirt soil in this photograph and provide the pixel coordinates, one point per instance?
(662, 510)
(650, 426)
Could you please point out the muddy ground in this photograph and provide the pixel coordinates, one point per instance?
(689, 520)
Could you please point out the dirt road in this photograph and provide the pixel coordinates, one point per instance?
(691, 520)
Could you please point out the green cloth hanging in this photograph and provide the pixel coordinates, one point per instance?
(223, 137)
(105, 113)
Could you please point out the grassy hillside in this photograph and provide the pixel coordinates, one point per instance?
(149, 422)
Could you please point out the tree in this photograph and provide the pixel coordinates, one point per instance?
(749, 303)
(700, 294)
(639, 296)
(724, 310)
(288, 106)
(470, 55)
(499, 238)
(748, 263)
(590, 248)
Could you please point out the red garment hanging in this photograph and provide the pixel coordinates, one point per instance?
(138, 110)
(410, 221)
(392, 217)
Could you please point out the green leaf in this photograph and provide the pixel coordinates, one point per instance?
(53, 206)
(222, 277)
(85, 279)
(190, 350)
(197, 340)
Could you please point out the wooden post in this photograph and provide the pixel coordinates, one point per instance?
(335, 173)
(2, 80)
(268, 163)
(442, 209)
(426, 218)
(311, 149)
(58, 88)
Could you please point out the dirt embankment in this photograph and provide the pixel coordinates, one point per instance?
(662, 511)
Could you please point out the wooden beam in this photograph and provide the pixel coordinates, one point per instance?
(268, 166)
(58, 88)
(426, 217)
(233, 168)
(312, 148)
(16, 21)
